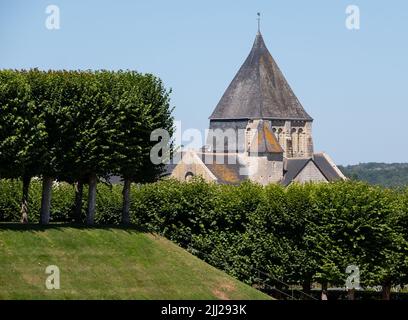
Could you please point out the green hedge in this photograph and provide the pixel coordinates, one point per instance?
(108, 202)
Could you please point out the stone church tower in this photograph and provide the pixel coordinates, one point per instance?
(260, 91)
(258, 131)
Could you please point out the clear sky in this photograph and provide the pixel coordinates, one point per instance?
(352, 82)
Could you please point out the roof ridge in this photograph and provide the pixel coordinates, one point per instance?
(259, 36)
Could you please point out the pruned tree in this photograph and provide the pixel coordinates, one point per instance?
(141, 105)
(22, 132)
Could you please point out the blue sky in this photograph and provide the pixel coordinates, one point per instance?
(353, 83)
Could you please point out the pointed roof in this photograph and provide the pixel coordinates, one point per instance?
(294, 166)
(264, 140)
(259, 91)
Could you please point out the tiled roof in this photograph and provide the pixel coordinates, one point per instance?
(227, 172)
(293, 166)
(326, 167)
(264, 141)
(259, 91)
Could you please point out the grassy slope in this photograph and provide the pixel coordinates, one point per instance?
(107, 263)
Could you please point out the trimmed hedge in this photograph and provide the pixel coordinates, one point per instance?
(109, 202)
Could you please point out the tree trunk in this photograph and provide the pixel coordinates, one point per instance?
(386, 291)
(324, 294)
(90, 215)
(24, 200)
(306, 286)
(351, 294)
(126, 201)
(79, 188)
(46, 200)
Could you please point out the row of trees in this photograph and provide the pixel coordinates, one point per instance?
(77, 126)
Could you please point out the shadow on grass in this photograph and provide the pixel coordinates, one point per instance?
(61, 226)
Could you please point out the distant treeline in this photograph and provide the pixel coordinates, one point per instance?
(383, 174)
(299, 235)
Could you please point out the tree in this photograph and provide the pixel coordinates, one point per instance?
(22, 132)
(46, 94)
(353, 229)
(278, 235)
(391, 268)
(73, 119)
(141, 105)
(266, 237)
(300, 218)
(94, 134)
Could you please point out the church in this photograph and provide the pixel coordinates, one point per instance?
(258, 131)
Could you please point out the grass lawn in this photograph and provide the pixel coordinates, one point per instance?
(107, 263)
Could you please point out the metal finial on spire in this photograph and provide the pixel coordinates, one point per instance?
(259, 22)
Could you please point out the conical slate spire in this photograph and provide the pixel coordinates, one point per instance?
(259, 91)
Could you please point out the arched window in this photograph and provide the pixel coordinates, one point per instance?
(295, 141)
(280, 136)
(289, 148)
(189, 175)
(248, 139)
(301, 141)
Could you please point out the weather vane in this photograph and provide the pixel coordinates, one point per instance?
(259, 21)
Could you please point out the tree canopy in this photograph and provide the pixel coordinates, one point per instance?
(78, 126)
